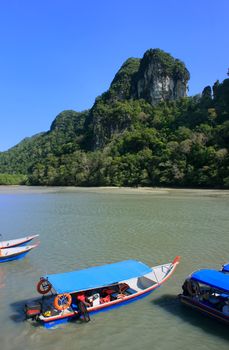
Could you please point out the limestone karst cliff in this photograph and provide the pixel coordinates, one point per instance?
(160, 77)
(154, 78)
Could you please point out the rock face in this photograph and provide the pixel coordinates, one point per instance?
(154, 88)
(154, 78)
(160, 77)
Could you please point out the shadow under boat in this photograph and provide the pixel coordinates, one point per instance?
(172, 304)
(18, 315)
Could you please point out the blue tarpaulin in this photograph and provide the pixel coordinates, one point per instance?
(212, 278)
(96, 277)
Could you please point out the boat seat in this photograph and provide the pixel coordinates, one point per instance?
(123, 287)
(130, 291)
(127, 292)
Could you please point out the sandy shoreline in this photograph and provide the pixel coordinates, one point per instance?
(111, 190)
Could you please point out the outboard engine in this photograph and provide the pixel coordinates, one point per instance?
(32, 310)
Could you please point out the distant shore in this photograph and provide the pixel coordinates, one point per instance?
(16, 189)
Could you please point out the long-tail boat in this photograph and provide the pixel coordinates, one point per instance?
(80, 293)
(207, 291)
(16, 253)
(17, 242)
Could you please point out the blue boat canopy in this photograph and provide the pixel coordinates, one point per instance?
(96, 277)
(226, 267)
(212, 278)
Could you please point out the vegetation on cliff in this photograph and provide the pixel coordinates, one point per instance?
(170, 66)
(126, 141)
(123, 82)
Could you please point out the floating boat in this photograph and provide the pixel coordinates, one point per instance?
(79, 293)
(208, 292)
(225, 268)
(16, 253)
(17, 242)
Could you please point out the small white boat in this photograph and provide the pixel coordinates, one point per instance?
(16, 253)
(17, 242)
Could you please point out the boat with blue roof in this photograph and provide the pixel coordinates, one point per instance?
(78, 294)
(207, 291)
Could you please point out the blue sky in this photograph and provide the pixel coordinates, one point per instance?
(62, 54)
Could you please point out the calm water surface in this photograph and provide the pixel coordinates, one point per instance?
(79, 228)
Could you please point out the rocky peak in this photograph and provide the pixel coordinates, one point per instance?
(122, 84)
(160, 77)
(156, 77)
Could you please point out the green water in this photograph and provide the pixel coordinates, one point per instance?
(79, 228)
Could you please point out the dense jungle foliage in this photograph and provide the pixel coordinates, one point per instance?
(13, 179)
(178, 143)
(181, 143)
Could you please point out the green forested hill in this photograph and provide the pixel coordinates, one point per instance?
(129, 138)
